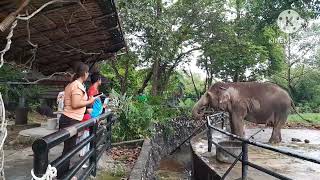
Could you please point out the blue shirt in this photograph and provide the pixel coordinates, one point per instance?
(96, 108)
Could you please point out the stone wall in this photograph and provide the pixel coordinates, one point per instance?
(165, 139)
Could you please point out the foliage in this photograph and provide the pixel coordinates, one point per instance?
(306, 92)
(10, 73)
(118, 171)
(162, 34)
(14, 91)
(134, 118)
(314, 117)
(189, 90)
(185, 107)
(122, 73)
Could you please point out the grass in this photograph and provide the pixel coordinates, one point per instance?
(107, 176)
(314, 117)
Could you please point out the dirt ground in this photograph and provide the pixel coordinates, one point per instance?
(125, 155)
(12, 142)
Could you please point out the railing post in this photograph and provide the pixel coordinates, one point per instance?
(93, 145)
(40, 160)
(244, 160)
(223, 121)
(209, 134)
(108, 129)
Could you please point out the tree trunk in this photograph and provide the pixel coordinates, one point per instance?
(289, 67)
(210, 80)
(236, 77)
(156, 68)
(124, 83)
(155, 78)
(145, 82)
(194, 85)
(205, 85)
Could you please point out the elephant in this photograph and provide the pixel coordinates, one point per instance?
(257, 102)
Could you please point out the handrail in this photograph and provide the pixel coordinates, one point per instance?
(244, 153)
(100, 135)
(265, 146)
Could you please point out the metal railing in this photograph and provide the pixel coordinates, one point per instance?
(243, 156)
(99, 139)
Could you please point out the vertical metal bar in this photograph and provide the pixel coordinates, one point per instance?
(108, 129)
(223, 120)
(93, 145)
(244, 160)
(209, 134)
(40, 160)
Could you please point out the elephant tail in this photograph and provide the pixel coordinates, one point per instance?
(295, 110)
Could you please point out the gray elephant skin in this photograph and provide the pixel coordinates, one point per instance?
(257, 102)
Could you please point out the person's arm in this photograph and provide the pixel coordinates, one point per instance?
(78, 102)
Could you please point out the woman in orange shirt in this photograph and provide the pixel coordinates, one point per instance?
(75, 102)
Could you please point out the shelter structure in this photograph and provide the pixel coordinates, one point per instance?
(51, 36)
(62, 33)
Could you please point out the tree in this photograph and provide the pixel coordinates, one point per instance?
(121, 71)
(242, 44)
(234, 47)
(162, 35)
(300, 55)
(232, 36)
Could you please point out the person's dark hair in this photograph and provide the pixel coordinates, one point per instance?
(80, 70)
(95, 77)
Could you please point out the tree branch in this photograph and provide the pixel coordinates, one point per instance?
(146, 80)
(187, 52)
(47, 77)
(194, 85)
(74, 49)
(25, 18)
(114, 67)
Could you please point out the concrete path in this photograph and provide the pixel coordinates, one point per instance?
(288, 166)
(18, 164)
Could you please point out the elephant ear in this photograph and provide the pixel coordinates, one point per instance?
(224, 100)
(209, 97)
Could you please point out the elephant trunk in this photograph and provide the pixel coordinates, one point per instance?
(196, 110)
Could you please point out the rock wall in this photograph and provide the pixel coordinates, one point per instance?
(165, 139)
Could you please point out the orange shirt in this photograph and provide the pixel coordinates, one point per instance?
(74, 88)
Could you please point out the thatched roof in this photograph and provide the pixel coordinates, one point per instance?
(65, 33)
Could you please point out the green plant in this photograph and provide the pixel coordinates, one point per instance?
(118, 171)
(167, 130)
(134, 118)
(186, 106)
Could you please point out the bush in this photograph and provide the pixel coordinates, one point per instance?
(134, 118)
(308, 107)
(186, 106)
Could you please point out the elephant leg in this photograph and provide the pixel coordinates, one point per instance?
(237, 124)
(276, 132)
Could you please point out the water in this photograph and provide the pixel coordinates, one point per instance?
(176, 166)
